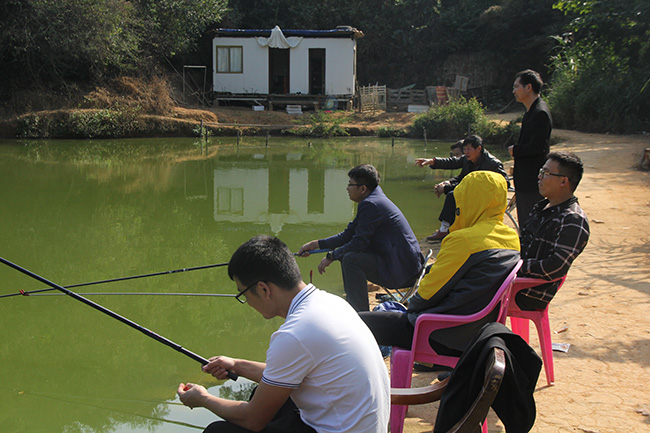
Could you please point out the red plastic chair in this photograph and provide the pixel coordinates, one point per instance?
(519, 322)
(401, 361)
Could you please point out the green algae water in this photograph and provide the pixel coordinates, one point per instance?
(81, 211)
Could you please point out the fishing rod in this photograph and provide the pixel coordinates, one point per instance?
(322, 250)
(114, 315)
(112, 280)
(223, 295)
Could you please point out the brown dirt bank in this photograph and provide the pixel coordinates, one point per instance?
(184, 122)
(601, 383)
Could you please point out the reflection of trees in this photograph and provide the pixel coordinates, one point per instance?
(240, 393)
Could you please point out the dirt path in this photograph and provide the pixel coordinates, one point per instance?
(601, 384)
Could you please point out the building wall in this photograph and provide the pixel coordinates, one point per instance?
(254, 78)
(340, 70)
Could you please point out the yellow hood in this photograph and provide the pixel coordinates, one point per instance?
(481, 196)
(480, 203)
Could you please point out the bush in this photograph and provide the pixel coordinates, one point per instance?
(460, 118)
(321, 124)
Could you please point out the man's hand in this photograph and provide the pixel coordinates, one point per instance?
(219, 367)
(324, 264)
(304, 250)
(440, 188)
(421, 162)
(192, 395)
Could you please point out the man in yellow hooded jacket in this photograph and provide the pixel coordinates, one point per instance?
(474, 259)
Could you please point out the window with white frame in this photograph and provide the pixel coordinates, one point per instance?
(229, 59)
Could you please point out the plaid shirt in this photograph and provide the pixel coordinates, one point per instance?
(551, 239)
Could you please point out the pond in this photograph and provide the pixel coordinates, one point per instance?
(83, 211)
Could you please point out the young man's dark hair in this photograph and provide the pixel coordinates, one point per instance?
(475, 141)
(570, 166)
(264, 258)
(528, 76)
(365, 174)
(457, 145)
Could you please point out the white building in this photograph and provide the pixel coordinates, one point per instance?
(291, 66)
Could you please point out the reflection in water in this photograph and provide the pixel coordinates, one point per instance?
(293, 196)
(75, 211)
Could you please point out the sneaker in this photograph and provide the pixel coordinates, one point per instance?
(437, 236)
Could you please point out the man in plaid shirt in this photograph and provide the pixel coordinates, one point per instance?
(556, 232)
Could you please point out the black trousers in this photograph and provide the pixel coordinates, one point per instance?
(448, 212)
(286, 420)
(525, 202)
(393, 328)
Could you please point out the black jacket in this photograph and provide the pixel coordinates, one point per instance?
(514, 403)
(533, 146)
(485, 162)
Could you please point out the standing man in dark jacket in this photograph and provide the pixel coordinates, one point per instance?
(378, 245)
(533, 144)
(475, 157)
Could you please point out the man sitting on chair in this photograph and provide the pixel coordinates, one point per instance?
(472, 263)
(474, 157)
(556, 231)
(378, 245)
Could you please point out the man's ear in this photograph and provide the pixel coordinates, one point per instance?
(565, 182)
(263, 289)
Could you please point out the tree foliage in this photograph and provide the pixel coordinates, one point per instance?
(601, 70)
(67, 41)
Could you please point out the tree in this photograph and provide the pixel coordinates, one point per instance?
(602, 66)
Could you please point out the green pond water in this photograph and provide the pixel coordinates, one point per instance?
(81, 211)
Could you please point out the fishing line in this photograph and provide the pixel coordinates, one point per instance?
(114, 315)
(52, 397)
(112, 280)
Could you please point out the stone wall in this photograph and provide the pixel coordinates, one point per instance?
(482, 69)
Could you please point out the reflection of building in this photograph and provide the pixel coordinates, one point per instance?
(278, 195)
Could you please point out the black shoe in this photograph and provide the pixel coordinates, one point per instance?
(443, 376)
(425, 367)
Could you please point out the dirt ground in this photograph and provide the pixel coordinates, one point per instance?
(602, 310)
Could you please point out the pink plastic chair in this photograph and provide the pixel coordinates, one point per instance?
(401, 361)
(519, 322)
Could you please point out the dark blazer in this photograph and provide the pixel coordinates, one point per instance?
(380, 228)
(533, 146)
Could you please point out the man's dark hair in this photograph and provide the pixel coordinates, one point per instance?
(528, 76)
(475, 141)
(264, 258)
(457, 145)
(570, 166)
(365, 174)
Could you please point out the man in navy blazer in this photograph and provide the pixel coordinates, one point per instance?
(378, 245)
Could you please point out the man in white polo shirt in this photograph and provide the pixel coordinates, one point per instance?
(323, 360)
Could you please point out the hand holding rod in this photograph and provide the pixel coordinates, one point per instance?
(114, 315)
(112, 280)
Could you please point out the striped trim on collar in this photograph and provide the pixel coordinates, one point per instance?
(301, 296)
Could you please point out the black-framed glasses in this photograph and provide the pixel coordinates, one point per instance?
(240, 296)
(543, 173)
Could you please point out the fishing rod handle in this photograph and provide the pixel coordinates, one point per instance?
(232, 376)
